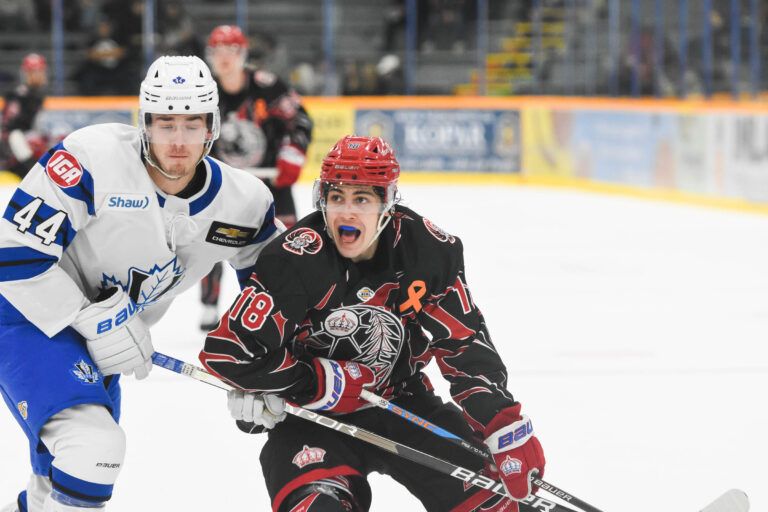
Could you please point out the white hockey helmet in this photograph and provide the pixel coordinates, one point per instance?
(179, 85)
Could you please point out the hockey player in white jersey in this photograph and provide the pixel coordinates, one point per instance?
(96, 241)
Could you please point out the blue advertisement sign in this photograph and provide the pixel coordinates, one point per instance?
(625, 147)
(448, 140)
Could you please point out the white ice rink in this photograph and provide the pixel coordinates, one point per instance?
(635, 334)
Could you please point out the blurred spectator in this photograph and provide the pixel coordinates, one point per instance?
(17, 15)
(90, 14)
(359, 79)
(389, 75)
(177, 32)
(395, 24)
(269, 53)
(446, 25)
(43, 13)
(650, 74)
(105, 70)
(126, 19)
(306, 79)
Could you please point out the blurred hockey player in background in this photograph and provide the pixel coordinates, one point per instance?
(20, 145)
(364, 293)
(100, 236)
(263, 125)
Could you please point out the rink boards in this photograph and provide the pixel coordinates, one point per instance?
(713, 153)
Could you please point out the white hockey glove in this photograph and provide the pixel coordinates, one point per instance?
(117, 339)
(264, 410)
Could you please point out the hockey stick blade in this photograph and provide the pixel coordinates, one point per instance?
(466, 445)
(536, 503)
(734, 500)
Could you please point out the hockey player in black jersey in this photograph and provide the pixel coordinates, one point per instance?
(363, 293)
(20, 146)
(263, 125)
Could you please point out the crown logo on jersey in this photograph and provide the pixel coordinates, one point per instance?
(22, 407)
(308, 456)
(85, 372)
(179, 80)
(510, 465)
(342, 323)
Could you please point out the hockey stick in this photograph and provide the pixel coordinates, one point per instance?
(394, 447)
(265, 173)
(734, 500)
(482, 452)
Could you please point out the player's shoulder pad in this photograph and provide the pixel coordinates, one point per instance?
(417, 230)
(271, 85)
(93, 158)
(246, 195)
(102, 148)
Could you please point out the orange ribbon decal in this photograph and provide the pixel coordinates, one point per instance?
(416, 291)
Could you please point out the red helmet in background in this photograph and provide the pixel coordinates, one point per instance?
(361, 160)
(229, 35)
(34, 62)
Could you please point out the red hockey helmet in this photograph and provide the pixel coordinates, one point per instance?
(229, 35)
(361, 160)
(356, 160)
(33, 62)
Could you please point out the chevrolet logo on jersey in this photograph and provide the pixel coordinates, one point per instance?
(232, 232)
(229, 235)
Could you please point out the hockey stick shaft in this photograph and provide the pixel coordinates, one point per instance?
(265, 173)
(383, 403)
(388, 445)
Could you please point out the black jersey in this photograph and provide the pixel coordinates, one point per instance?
(20, 108)
(258, 119)
(408, 304)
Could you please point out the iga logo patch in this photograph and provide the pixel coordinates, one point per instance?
(437, 232)
(303, 240)
(85, 372)
(309, 456)
(64, 169)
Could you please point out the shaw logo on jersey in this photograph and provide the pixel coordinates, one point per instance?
(127, 202)
(64, 169)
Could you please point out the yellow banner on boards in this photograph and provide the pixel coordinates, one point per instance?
(331, 121)
(547, 142)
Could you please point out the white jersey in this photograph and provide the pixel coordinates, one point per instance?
(88, 217)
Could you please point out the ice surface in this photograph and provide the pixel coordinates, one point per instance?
(635, 333)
